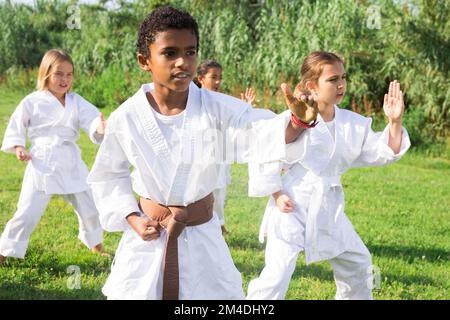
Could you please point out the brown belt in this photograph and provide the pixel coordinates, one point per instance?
(174, 219)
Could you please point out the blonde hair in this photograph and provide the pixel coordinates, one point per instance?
(312, 66)
(51, 57)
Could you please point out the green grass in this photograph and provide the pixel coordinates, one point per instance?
(402, 213)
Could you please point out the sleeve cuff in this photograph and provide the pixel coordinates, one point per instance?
(8, 145)
(263, 189)
(93, 135)
(116, 221)
(406, 144)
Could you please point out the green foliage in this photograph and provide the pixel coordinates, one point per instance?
(259, 43)
(18, 45)
(21, 79)
(417, 51)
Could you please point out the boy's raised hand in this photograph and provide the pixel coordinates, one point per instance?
(102, 125)
(393, 103)
(300, 103)
(22, 154)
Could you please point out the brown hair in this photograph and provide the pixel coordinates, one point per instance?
(51, 57)
(203, 69)
(312, 66)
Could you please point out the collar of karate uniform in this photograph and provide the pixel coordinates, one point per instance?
(63, 112)
(177, 172)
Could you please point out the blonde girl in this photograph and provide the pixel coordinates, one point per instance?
(53, 117)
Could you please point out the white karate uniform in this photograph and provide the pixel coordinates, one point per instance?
(225, 173)
(318, 224)
(221, 194)
(56, 166)
(176, 171)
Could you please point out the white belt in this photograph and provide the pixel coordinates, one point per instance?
(316, 205)
(50, 141)
(321, 186)
(48, 144)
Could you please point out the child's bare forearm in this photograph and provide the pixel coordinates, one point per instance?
(395, 136)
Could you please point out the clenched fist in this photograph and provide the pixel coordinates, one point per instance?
(146, 228)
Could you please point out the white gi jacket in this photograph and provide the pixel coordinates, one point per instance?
(315, 163)
(53, 131)
(213, 123)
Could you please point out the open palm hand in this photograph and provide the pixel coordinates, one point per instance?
(393, 102)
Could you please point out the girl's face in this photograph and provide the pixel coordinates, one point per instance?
(331, 85)
(212, 79)
(172, 60)
(60, 78)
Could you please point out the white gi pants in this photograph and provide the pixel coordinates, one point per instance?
(31, 206)
(352, 273)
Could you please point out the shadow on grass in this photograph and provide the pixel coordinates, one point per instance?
(31, 283)
(410, 254)
(314, 271)
(323, 272)
(235, 241)
(27, 278)
(13, 189)
(41, 266)
(43, 261)
(432, 164)
(23, 291)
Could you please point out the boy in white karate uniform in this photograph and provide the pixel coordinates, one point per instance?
(172, 133)
(306, 210)
(53, 117)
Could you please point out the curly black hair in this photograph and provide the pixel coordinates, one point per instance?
(162, 19)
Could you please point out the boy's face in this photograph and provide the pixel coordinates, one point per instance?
(172, 60)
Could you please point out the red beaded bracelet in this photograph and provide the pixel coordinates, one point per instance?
(299, 123)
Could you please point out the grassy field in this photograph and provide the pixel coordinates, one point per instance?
(402, 212)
